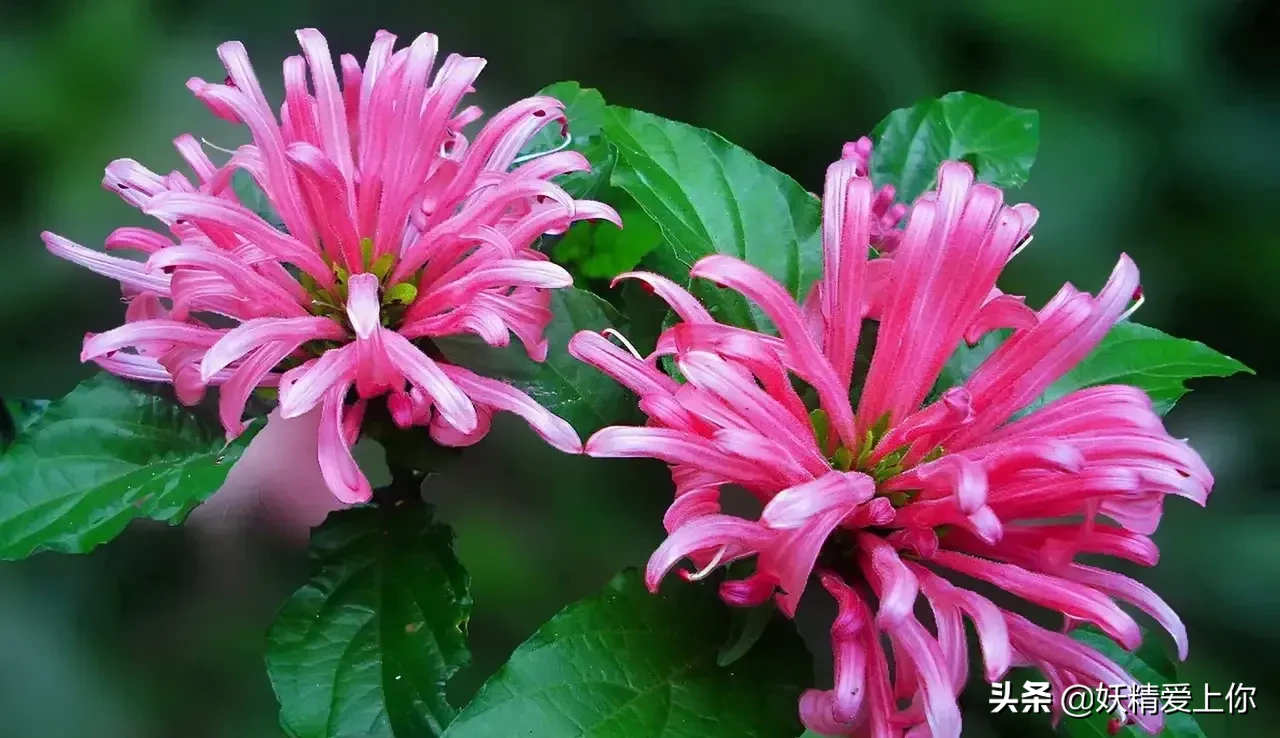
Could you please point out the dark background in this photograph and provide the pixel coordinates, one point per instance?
(1159, 138)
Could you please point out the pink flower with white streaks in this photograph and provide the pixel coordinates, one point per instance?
(887, 495)
(397, 230)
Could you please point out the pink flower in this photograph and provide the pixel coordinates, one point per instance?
(397, 230)
(886, 496)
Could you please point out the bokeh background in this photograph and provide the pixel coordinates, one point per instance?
(1160, 137)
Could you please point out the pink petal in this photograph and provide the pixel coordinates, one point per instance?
(953, 249)
(753, 591)
(254, 333)
(248, 376)
(1001, 311)
(129, 273)
(329, 187)
(690, 505)
(1060, 653)
(507, 273)
(673, 447)
(248, 282)
(1069, 327)
(206, 209)
(343, 475)
(248, 104)
(783, 311)
(451, 403)
(988, 620)
(852, 619)
(636, 375)
(364, 311)
(846, 241)
(730, 537)
(760, 411)
(143, 332)
(684, 304)
(790, 558)
(941, 710)
(138, 239)
(333, 119)
(447, 435)
(502, 396)
(760, 450)
(897, 585)
(794, 507)
(1129, 590)
(302, 387)
(1077, 601)
(952, 474)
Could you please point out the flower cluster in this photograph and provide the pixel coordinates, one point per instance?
(884, 488)
(395, 229)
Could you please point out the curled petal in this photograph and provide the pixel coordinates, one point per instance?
(451, 403)
(692, 504)
(957, 475)
(684, 304)
(794, 507)
(1129, 590)
(1074, 600)
(988, 620)
(143, 332)
(729, 537)
(302, 387)
(783, 311)
(502, 396)
(338, 466)
(1001, 311)
(244, 338)
(131, 274)
(363, 308)
(252, 373)
(673, 447)
(753, 591)
(137, 239)
(447, 435)
(898, 586)
(635, 374)
(851, 620)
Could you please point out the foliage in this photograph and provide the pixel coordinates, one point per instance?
(368, 645)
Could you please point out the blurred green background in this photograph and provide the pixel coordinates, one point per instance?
(1160, 137)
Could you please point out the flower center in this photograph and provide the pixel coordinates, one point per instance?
(867, 459)
(332, 303)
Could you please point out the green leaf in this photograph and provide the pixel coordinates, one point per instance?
(1130, 353)
(16, 416)
(105, 454)
(747, 625)
(1177, 725)
(366, 647)
(998, 140)
(709, 196)
(8, 424)
(254, 198)
(584, 108)
(626, 663)
(1145, 357)
(601, 250)
(579, 393)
